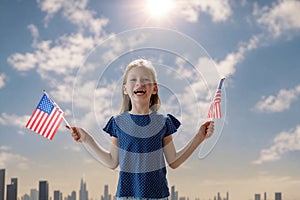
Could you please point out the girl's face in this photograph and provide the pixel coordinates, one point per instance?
(139, 85)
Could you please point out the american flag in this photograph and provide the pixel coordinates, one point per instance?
(46, 118)
(215, 107)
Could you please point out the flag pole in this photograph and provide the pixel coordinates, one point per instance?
(63, 117)
(221, 83)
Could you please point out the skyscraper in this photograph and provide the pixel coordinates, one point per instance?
(34, 194)
(257, 197)
(57, 195)
(83, 193)
(43, 190)
(12, 190)
(106, 195)
(2, 183)
(73, 195)
(25, 197)
(174, 193)
(14, 181)
(278, 196)
(219, 196)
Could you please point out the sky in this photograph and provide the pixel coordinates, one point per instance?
(77, 51)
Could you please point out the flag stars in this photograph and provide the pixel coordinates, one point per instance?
(45, 105)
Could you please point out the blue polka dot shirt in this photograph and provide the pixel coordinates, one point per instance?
(142, 164)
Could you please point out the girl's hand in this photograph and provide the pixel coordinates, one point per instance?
(78, 134)
(206, 130)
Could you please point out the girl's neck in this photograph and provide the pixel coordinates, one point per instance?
(140, 110)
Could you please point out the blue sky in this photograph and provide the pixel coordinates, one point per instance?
(77, 51)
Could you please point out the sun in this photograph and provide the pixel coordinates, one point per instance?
(159, 8)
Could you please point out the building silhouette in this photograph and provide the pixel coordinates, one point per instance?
(72, 196)
(34, 194)
(43, 190)
(219, 197)
(12, 190)
(25, 197)
(278, 196)
(2, 183)
(256, 196)
(57, 195)
(106, 195)
(174, 193)
(83, 193)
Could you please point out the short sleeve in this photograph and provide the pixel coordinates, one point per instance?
(110, 127)
(172, 124)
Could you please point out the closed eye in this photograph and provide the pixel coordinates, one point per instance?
(146, 80)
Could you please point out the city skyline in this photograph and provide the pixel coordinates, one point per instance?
(45, 194)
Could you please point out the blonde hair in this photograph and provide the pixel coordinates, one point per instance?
(154, 100)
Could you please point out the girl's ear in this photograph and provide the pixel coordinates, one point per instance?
(155, 89)
(124, 90)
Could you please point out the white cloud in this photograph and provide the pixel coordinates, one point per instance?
(75, 12)
(72, 148)
(22, 62)
(13, 120)
(3, 78)
(5, 148)
(63, 93)
(228, 66)
(51, 7)
(56, 61)
(283, 143)
(282, 17)
(60, 56)
(280, 102)
(219, 10)
(94, 105)
(184, 71)
(9, 160)
(34, 32)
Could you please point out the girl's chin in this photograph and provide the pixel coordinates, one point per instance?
(140, 99)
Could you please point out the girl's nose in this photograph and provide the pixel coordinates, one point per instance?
(140, 82)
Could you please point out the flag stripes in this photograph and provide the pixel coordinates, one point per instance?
(46, 118)
(215, 107)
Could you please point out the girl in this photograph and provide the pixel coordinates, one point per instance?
(142, 138)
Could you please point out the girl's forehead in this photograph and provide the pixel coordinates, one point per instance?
(139, 71)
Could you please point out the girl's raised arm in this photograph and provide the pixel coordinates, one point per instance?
(174, 158)
(109, 159)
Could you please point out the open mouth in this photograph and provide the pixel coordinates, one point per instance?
(139, 92)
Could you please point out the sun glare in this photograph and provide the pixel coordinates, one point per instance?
(159, 8)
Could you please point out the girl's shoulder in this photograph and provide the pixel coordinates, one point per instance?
(168, 119)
